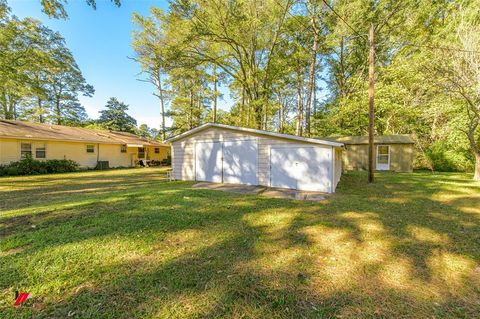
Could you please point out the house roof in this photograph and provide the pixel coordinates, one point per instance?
(41, 131)
(254, 131)
(380, 139)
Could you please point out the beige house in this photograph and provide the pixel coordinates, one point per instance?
(85, 146)
(392, 152)
(230, 154)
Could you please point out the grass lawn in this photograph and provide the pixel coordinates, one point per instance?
(128, 244)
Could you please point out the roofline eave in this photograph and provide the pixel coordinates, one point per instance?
(249, 130)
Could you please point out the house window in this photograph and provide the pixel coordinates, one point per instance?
(141, 152)
(26, 150)
(157, 150)
(40, 151)
(123, 148)
(90, 148)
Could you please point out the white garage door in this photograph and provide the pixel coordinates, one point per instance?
(303, 168)
(228, 162)
(208, 161)
(240, 162)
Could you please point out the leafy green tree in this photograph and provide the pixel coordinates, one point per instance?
(56, 8)
(39, 78)
(151, 49)
(21, 44)
(301, 67)
(144, 131)
(64, 88)
(191, 103)
(115, 117)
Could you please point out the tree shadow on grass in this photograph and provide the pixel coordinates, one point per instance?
(387, 251)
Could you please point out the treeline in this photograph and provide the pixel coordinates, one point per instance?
(301, 67)
(41, 82)
(39, 78)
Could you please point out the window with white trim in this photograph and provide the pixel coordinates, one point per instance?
(123, 148)
(90, 148)
(40, 151)
(383, 153)
(25, 150)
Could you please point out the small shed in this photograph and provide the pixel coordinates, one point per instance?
(229, 154)
(392, 152)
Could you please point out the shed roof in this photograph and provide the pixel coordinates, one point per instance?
(254, 131)
(380, 139)
(41, 131)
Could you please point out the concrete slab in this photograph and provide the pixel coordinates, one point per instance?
(264, 191)
(234, 188)
(294, 194)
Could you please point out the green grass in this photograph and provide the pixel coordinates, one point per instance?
(128, 244)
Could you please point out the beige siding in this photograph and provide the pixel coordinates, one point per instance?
(164, 152)
(183, 151)
(401, 157)
(10, 152)
(338, 167)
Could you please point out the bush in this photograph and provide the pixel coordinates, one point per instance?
(29, 166)
(444, 158)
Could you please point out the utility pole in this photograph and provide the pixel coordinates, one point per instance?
(371, 103)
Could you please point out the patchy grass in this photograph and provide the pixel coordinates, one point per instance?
(128, 244)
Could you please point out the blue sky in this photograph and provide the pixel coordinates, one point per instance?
(100, 40)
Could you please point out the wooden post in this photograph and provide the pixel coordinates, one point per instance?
(371, 104)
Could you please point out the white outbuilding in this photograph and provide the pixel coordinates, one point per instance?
(229, 154)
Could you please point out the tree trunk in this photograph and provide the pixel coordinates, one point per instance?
(477, 167)
(242, 107)
(40, 110)
(314, 96)
(284, 117)
(214, 93)
(311, 80)
(9, 107)
(162, 105)
(59, 113)
(474, 146)
(258, 114)
(299, 126)
(280, 111)
(342, 70)
(190, 124)
(265, 118)
(199, 111)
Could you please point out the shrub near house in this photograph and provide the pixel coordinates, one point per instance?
(29, 166)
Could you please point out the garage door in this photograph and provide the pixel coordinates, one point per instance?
(208, 161)
(303, 168)
(228, 162)
(240, 162)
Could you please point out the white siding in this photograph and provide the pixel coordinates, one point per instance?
(183, 151)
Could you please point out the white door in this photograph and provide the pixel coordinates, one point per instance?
(240, 162)
(208, 162)
(383, 158)
(303, 168)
